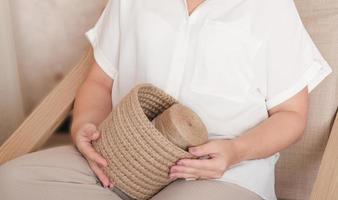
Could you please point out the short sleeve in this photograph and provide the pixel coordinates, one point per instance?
(293, 61)
(104, 38)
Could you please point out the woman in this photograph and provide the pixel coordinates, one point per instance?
(245, 66)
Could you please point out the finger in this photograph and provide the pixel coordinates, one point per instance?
(89, 128)
(88, 136)
(91, 154)
(208, 164)
(95, 135)
(92, 134)
(111, 185)
(190, 170)
(204, 149)
(100, 174)
(183, 175)
(196, 175)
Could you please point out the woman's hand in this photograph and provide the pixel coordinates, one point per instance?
(87, 133)
(222, 154)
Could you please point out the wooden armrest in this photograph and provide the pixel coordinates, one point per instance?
(48, 115)
(326, 184)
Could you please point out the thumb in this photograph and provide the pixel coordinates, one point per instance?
(202, 150)
(95, 135)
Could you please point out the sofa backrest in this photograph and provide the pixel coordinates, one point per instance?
(298, 165)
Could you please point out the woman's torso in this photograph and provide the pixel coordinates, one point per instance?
(206, 61)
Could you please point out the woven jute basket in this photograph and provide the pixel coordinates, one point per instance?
(143, 136)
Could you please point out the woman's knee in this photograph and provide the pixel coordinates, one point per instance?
(11, 178)
(29, 167)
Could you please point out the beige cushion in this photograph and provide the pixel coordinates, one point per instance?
(298, 165)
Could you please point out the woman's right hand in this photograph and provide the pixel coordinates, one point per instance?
(83, 138)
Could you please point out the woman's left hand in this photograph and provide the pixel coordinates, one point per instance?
(222, 154)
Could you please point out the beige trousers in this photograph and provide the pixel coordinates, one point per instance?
(61, 173)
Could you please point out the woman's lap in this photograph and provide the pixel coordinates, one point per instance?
(204, 189)
(55, 174)
(62, 173)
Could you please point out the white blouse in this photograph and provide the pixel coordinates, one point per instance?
(230, 61)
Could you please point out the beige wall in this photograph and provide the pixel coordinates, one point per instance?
(49, 37)
(11, 107)
(40, 40)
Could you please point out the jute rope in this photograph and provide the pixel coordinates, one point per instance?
(143, 136)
